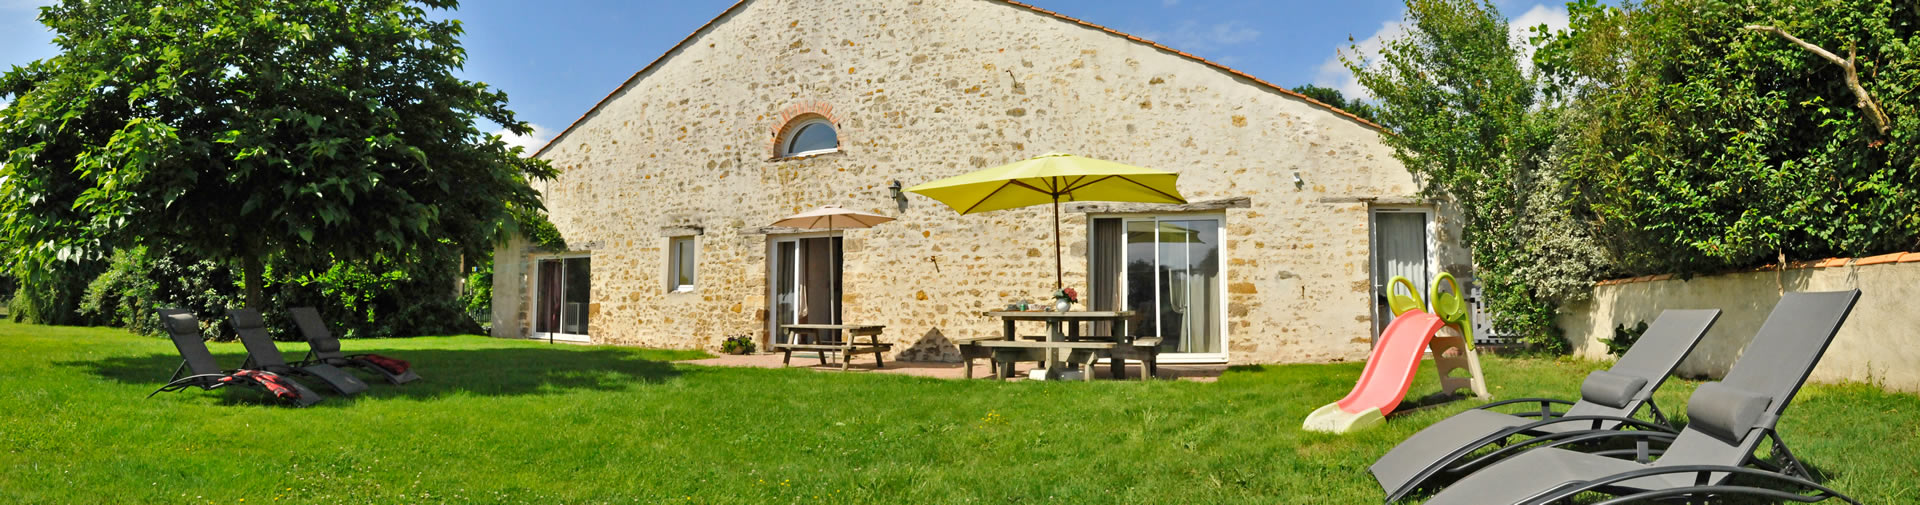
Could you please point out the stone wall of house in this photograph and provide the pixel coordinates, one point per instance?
(1876, 344)
(922, 90)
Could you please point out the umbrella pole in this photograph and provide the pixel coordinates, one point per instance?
(1057, 271)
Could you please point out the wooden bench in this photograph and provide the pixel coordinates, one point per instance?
(848, 348)
(1082, 353)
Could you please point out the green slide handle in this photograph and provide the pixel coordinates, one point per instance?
(1400, 303)
(1451, 306)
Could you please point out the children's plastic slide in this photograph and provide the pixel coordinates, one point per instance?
(1389, 370)
(1396, 357)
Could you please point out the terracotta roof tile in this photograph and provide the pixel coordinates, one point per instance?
(1910, 257)
(1875, 260)
(1835, 262)
(736, 6)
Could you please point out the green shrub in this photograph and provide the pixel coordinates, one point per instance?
(1624, 337)
(51, 294)
(737, 345)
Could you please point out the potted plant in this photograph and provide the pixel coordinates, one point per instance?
(737, 345)
(1064, 299)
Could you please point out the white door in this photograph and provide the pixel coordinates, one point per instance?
(1399, 249)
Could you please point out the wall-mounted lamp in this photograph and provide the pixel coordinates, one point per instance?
(1298, 183)
(899, 198)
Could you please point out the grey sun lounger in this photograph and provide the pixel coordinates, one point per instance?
(262, 354)
(323, 348)
(1728, 420)
(205, 373)
(1608, 401)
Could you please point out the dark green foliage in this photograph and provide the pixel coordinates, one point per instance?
(51, 295)
(1694, 145)
(383, 297)
(1624, 337)
(300, 133)
(1655, 138)
(534, 225)
(1331, 96)
(363, 299)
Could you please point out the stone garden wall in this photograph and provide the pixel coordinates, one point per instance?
(1878, 343)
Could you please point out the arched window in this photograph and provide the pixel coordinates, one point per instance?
(813, 135)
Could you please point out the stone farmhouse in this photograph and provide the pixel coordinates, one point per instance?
(1297, 213)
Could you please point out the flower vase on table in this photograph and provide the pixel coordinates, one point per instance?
(1064, 299)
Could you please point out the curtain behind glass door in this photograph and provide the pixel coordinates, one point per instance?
(547, 316)
(786, 301)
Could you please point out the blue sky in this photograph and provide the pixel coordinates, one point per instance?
(556, 58)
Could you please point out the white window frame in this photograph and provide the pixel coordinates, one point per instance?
(1226, 329)
(532, 322)
(673, 264)
(793, 130)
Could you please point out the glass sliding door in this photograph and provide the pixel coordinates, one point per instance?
(1168, 271)
(561, 290)
(805, 280)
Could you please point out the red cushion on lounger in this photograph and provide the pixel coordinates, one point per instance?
(272, 382)
(392, 365)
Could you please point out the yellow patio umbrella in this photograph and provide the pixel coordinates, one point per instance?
(1052, 178)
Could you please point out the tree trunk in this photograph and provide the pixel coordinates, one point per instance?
(253, 277)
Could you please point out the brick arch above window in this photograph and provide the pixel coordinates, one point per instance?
(799, 115)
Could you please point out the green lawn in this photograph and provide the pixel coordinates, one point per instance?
(499, 421)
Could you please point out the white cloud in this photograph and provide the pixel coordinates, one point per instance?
(1191, 36)
(1333, 74)
(531, 142)
(1521, 28)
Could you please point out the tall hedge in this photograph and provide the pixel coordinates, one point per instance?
(1698, 145)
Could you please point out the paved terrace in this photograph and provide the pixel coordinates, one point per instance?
(942, 370)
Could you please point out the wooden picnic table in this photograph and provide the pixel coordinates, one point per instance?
(811, 337)
(1063, 340)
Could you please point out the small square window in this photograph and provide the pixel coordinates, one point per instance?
(680, 262)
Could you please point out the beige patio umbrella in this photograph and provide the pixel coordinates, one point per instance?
(832, 217)
(829, 217)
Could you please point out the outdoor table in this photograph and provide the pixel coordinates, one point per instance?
(1068, 338)
(847, 347)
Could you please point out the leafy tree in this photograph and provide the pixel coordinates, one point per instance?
(1695, 145)
(1466, 119)
(308, 131)
(1333, 97)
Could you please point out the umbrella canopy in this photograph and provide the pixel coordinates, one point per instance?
(832, 217)
(1050, 179)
